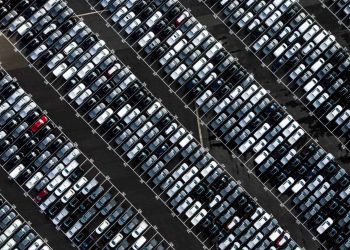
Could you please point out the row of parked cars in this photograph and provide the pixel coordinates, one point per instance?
(341, 8)
(139, 128)
(78, 199)
(15, 232)
(299, 51)
(239, 111)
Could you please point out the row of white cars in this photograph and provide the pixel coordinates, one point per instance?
(141, 130)
(298, 50)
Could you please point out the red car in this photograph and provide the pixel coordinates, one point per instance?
(41, 195)
(181, 18)
(39, 123)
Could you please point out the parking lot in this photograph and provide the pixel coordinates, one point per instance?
(195, 115)
(11, 220)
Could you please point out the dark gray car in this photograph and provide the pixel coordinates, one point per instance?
(115, 214)
(7, 220)
(26, 241)
(126, 216)
(21, 233)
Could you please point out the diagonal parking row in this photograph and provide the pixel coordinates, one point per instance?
(340, 9)
(17, 233)
(141, 131)
(237, 110)
(67, 186)
(299, 52)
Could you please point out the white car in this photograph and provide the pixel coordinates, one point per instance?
(261, 157)
(298, 186)
(9, 244)
(89, 186)
(276, 234)
(211, 166)
(59, 69)
(177, 186)
(24, 28)
(63, 213)
(139, 229)
(324, 226)
(314, 93)
(102, 227)
(192, 210)
(144, 40)
(135, 150)
(37, 52)
(48, 201)
(246, 145)
(57, 180)
(261, 42)
(16, 171)
(93, 50)
(199, 217)
(116, 17)
(154, 18)
(204, 97)
(224, 244)
(70, 72)
(76, 91)
(81, 98)
(115, 241)
(343, 117)
(63, 187)
(296, 136)
(187, 176)
(263, 219)
(259, 145)
(104, 116)
(286, 185)
(75, 228)
(139, 243)
(215, 201)
(245, 19)
(54, 61)
(338, 109)
(178, 72)
(100, 56)
(18, 21)
(233, 222)
(174, 37)
(13, 227)
(36, 245)
(71, 156)
(67, 196)
(69, 169)
(34, 180)
(80, 183)
(69, 48)
(132, 26)
(85, 70)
